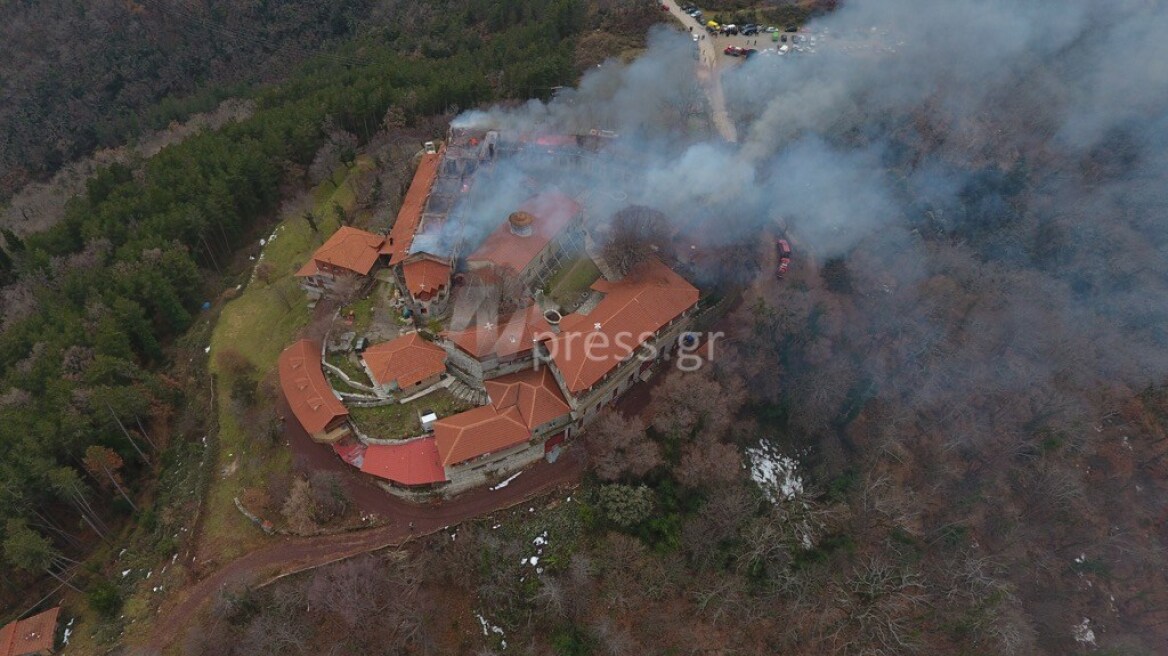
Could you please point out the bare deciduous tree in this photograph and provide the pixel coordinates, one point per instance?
(619, 447)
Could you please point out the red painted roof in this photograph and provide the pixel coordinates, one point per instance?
(553, 211)
(533, 392)
(425, 274)
(410, 214)
(590, 345)
(351, 450)
(514, 335)
(30, 636)
(409, 463)
(308, 393)
(407, 360)
(347, 248)
(478, 432)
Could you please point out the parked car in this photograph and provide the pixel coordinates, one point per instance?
(733, 51)
(730, 29)
(749, 30)
(771, 28)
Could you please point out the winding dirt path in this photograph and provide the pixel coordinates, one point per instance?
(708, 73)
(287, 555)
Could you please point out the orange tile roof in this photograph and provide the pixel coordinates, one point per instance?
(514, 335)
(425, 274)
(31, 636)
(410, 214)
(478, 432)
(533, 391)
(347, 248)
(589, 346)
(308, 393)
(552, 211)
(409, 463)
(406, 360)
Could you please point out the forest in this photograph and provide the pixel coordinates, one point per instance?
(78, 76)
(93, 307)
(944, 432)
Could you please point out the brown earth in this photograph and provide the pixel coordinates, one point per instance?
(287, 555)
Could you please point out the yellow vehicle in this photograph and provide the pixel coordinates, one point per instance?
(712, 25)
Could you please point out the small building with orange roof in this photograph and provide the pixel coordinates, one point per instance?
(597, 356)
(537, 396)
(426, 279)
(349, 253)
(530, 241)
(405, 364)
(410, 463)
(477, 433)
(35, 636)
(525, 409)
(492, 348)
(409, 217)
(309, 395)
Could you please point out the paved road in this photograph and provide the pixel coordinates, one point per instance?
(713, 82)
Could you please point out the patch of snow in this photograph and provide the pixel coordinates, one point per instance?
(207, 350)
(489, 628)
(506, 482)
(149, 573)
(531, 510)
(495, 526)
(126, 573)
(1081, 558)
(774, 472)
(68, 632)
(539, 542)
(1082, 633)
(121, 553)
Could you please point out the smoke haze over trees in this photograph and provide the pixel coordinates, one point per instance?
(971, 346)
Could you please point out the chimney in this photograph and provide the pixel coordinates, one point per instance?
(521, 223)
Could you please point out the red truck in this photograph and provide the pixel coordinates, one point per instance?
(783, 250)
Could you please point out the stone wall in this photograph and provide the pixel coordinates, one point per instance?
(493, 469)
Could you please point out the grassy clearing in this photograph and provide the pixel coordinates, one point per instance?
(362, 312)
(565, 287)
(400, 420)
(345, 363)
(260, 323)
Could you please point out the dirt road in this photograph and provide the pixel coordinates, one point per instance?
(713, 82)
(289, 555)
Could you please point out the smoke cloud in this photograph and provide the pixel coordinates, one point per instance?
(1028, 138)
